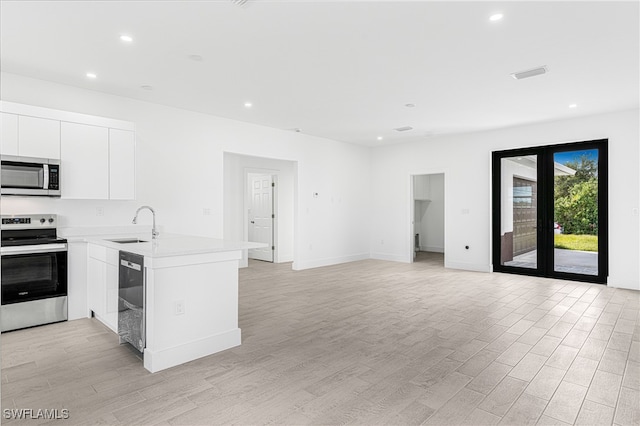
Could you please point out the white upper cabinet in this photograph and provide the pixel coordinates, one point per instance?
(122, 165)
(8, 134)
(97, 154)
(38, 137)
(84, 172)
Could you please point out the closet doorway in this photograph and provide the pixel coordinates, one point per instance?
(428, 216)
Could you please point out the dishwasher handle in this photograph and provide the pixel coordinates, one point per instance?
(130, 265)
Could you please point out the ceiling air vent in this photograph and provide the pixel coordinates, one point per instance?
(239, 2)
(530, 73)
(403, 129)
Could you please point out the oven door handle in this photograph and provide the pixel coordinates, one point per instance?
(39, 248)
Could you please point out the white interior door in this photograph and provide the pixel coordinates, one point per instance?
(261, 216)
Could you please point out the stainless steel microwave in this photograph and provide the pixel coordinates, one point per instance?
(30, 176)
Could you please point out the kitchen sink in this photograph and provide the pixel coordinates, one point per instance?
(128, 241)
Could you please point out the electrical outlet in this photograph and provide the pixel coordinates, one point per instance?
(206, 212)
(178, 307)
(99, 211)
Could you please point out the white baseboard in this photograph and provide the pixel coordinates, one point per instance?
(165, 358)
(389, 256)
(317, 263)
(434, 249)
(622, 283)
(285, 258)
(467, 266)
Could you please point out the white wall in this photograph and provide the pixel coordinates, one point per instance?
(364, 196)
(466, 159)
(180, 172)
(236, 168)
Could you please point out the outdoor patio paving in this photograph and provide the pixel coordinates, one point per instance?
(574, 261)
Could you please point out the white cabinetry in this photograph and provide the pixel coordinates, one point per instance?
(102, 284)
(97, 153)
(122, 164)
(85, 161)
(29, 136)
(97, 286)
(77, 280)
(38, 137)
(9, 134)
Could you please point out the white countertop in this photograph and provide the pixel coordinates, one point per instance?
(165, 245)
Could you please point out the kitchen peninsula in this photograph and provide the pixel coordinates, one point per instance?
(191, 293)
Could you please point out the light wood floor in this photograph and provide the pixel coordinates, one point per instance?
(368, 342)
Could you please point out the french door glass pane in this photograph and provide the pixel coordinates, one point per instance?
(519, 211)
(576, 212)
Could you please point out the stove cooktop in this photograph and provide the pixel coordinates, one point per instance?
(31, 229)
(9, 242)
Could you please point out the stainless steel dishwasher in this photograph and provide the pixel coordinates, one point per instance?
(131, 291)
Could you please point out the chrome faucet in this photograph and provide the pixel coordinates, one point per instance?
(154, 233)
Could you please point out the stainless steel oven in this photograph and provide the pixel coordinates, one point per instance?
(34, 272)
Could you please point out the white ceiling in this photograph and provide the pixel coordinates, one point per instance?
(343, 70)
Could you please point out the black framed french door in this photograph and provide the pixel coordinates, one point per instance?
(550, 211)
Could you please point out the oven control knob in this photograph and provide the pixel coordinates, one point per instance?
(50, 220)
(42, 220)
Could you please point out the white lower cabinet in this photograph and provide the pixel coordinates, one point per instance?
(112, 295)
(102, 284)
(76, 280)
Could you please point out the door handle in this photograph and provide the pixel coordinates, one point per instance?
(252, 222)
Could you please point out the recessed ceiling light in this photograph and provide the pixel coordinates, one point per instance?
(410, 105)
(196, 58)
(248, 104)
(146, 87)
(91, 75)
(403, 129)
(573, 106)
(126, 38)
(379, 138)
(530, 73)
(496, 17)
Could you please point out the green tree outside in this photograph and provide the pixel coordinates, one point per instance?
(576, 198)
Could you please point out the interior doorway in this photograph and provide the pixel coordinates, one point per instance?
(261, 192)
(274, 219)
(428, 218)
